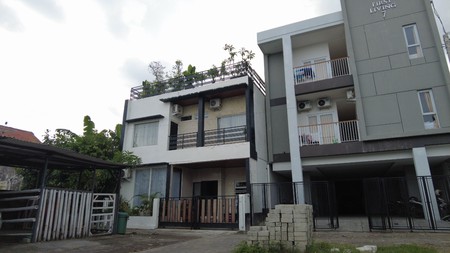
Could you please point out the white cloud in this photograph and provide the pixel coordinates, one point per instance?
(77, 58)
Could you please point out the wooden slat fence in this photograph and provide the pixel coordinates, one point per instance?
(199, 212)
(64, 214)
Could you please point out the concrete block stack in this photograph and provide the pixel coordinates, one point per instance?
(290, 225)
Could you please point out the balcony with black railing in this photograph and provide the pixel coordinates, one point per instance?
(214, 137)
(207, 77)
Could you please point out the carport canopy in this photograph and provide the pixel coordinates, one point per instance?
(28, 155)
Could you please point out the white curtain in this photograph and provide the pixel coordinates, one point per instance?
(145, 134)
(232, 121)
(158, 184)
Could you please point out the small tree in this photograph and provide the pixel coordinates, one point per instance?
(190, 75)
(213, 73)
(103, 145)
(245, 61)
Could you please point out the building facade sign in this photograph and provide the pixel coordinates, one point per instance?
(382, 6)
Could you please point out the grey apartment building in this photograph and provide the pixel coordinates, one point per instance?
(358, 116)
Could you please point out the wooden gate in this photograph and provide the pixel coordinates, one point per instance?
(197, 212)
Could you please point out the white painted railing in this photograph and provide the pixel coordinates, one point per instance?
(102, 218)
(321, 70)
(64, 214)
(331, 133)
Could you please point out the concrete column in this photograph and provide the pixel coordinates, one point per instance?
(155, 212)
(426, 186)
(244, 208)
(291, 105)
(201, 122)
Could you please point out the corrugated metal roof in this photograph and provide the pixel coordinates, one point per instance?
(23, 154)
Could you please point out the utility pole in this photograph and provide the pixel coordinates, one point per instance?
(447, 43)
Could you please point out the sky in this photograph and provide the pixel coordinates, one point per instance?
(61, 60)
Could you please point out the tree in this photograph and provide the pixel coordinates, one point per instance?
(157, 70)
(103, 145)
(246, 57)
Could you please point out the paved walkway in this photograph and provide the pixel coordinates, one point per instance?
(159, 240)
(209, 241)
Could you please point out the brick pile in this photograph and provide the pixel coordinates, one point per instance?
(290, 225)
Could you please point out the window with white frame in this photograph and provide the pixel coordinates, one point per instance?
(232, 128)
(429, 114)
(232, 121)
(412, 41)
(149, 182)
(145, 134)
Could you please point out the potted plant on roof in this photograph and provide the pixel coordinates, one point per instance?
(189, 76)
(213, 73)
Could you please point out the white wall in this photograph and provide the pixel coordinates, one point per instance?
(299, 55)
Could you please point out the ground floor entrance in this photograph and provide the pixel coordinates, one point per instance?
(389, 203)
(199, 212)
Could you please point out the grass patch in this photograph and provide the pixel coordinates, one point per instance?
(405, 249)
(323, 247)
(243, 247)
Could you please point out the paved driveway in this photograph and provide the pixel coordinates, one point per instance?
(208, 241)
(159, 240)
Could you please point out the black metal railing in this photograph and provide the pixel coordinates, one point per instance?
(214, 137)
(210, 76)
(391, 203)
(266, 195)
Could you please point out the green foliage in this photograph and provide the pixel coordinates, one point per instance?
(146, 207)
(245, 61)
(323, 247)
(243, 247)
(213, 73)
(178, 79)
(124, 206)
(103, 145)
(190, 76)
(405, 249)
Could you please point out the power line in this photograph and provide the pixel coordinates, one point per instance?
(446, 35)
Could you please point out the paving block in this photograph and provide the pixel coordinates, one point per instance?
(263, 233)
(257, 228)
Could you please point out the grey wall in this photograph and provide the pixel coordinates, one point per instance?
(388, 80)
(277, 119)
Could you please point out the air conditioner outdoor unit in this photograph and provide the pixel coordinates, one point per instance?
(350, 94)
(177, 110)
(126, 173)
(304, 105)
(215, 103)
(323, 103)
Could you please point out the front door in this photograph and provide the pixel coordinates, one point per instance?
(205, 189)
